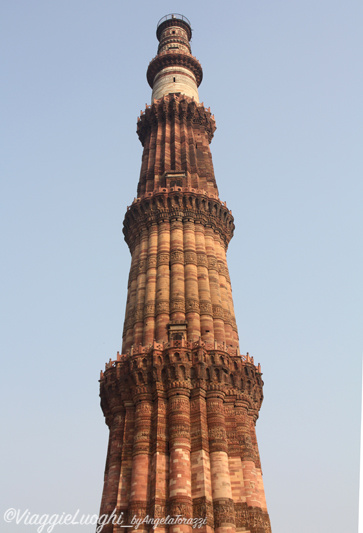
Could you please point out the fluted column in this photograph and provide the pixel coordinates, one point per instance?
(177, 300)
(149, 185)
(167, 147)
(140, 288)
(124, 486)
(191, 282)
(259, 492)
(205, 302)
(159, 479)
(200, 462)
(215, 288)
(163, 281)
(223, 257)
(184, 147)
(224, 519)
(241, 502)
(140, 488)
(149, 308)
(235, 465)
(128, 334)
(160, 142)
(180, 497)
(109, 500)
(224, 292)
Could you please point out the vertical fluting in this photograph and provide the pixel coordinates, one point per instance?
(144, 165)
(105, 478)
(163, 281)
(215, 287)
(149, 309)
(205, 302)
(240, 497)
(225, 273)
(140, 487)
(149, 185)
(159, 480)
(124, 486)
(234, 460)
(131, 299)
(180, 498)
(176, 141)
(140, 288)
(259, 492)
(177, 300)
(184, 148)
(114, 463)
(191, 282)
(167, 143)
(200, 461)
(224, 519)
(224, 291)
(159, 149)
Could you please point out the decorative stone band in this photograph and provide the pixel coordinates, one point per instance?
(186, 204)
(187, 365)
(175, 106)
(203, 508)
(223, 513)
(173, 58)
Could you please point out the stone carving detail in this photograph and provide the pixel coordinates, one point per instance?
(203, 508)
(223, 512)
(177, 305)
(177, 256)
(149, 309)
(258, 520)
(205, 308)
(202, 260)
(227, 316)
(162, 306)
(152, 261)
(142, 267)
(241, 514)
(190, 257)
(182, 508)
(192, 305)
(160, 510)
(218, 312)
(212, 263)
(217, 433)
(178, 404)
(163, 259)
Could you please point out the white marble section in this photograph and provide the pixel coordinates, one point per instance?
(175, 80)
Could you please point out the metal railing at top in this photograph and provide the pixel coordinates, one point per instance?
(177, 16)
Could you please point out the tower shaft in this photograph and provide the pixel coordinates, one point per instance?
(180, 401)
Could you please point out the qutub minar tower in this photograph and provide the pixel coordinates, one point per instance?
(180, 401)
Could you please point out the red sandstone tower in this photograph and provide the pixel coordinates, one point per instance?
(181, 402)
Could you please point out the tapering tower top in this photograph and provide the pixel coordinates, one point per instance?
(174, 69)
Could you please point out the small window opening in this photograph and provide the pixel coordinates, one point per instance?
(174, 80)
(173, 32)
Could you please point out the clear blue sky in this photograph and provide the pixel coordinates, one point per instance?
(284, 80)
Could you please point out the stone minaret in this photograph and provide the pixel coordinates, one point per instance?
(180, 401)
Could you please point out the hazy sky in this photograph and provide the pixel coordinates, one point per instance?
(284, 81)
